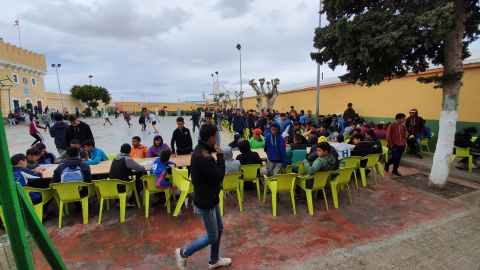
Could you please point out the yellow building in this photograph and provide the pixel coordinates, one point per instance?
(26, 69)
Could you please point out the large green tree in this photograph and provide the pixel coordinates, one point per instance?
(378, 40)
(91, 94)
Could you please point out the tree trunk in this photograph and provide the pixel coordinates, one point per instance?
(448, 117)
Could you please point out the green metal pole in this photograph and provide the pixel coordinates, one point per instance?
(11, 206)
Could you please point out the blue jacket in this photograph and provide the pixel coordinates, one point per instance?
(195, 117)
(160, 169)
(58, 131)
(338, 126)
(27, 177)
(96, 155)
(239, 123)
(276, 149)
(427, 134)
(285, 124)
(302, 118)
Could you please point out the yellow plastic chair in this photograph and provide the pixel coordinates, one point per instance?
(107, 189)
(319, 181)
(347, 140)
(342, 178)
(47, 195)
(250, 173)
(349, 162)
(372, 163)
(280, 183)
(384, 143)
(184, 184)
(247, 134)
(149, 188)
(3, 219)
(230, 183)
(69, 192)
(463, 152)
(378, 166)
(301, 169)
(424, 142)
(111, 156)
(473, 138)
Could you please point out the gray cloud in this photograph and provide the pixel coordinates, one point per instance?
(233, 8)
(107, 19)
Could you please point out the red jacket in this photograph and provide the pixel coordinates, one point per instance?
(33, 127)
(396, 134)
(415, 123)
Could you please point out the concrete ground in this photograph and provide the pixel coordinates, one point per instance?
(389, 226)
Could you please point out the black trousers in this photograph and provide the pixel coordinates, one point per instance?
(397, 152)
(37, 137)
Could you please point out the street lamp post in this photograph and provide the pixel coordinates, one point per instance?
(213, 87)
(56, 66)
(318, 64)
(90, 76)
(239, 48)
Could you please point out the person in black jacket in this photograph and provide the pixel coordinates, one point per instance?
(182, 138)
(207, 175)
(362, 148)
(374, 142)
(463, 139)
(251, 121)
(77, 130)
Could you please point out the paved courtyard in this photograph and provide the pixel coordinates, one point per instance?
(389, 226)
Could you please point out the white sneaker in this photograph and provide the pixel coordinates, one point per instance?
(181, 262)
(474, 165)
(221, 262)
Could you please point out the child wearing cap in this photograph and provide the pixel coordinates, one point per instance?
(257, 141)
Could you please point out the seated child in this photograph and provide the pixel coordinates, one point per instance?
(45, 157)
(333, 135)
(33, 154)
(160, 168)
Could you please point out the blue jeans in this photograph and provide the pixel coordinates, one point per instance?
(213, 224)
(419, 143)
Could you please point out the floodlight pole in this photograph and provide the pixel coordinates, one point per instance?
(56, 66)
(318, 64)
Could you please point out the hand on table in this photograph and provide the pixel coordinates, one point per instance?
(39, 169)
(173, 155)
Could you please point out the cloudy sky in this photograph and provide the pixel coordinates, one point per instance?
(167, 50)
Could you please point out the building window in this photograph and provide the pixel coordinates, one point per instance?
(15, 78)
(34, 82)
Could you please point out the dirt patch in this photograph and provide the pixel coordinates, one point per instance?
(420, 181)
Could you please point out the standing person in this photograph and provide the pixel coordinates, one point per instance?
(84, 112)
(219, 120)
(46, 120)
(77, 113)
(35, 133)
(182, 138)
(276, 151)
(309, 118)
(208, 120)
(142, 123)
(127, 118)
(251, 121)
(293, 113)
(153, 119)
(207, 176)
(416, 127)
(58, 132)
(11, 119)
(195, 118)
(77, 130)
(396, 138)
(27, 118)
(117, 113)
(238, 123)
(349, 112)
(105, 116)
(287, 125)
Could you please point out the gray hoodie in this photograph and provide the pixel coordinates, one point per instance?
(231, 165)
(130, 163)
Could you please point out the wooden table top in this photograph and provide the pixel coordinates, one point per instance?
(104, 166)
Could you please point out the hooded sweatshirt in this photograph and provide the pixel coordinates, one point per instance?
(275, 149)
(154, 151)
(247, 156)
(81, 132)
(321, 164)
(58, 131)
(231, 165)
(72, 163)
(396, 134)
(415, 123)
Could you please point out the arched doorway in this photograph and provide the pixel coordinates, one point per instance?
(28, 104)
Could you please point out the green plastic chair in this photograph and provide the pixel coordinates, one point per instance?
(184, 184)
(107, 189)
(463, 152)
(384, 143)
(111, 156)
(301, 169)
(250, 173)
(349, 162)
(280, 183)
(69, 192)
(47, 195)
(372, 163)
(341, 178)
(424, 142)
(149, 188)
(230, 183)
(319, 181)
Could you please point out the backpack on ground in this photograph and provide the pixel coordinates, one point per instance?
(71, 174)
